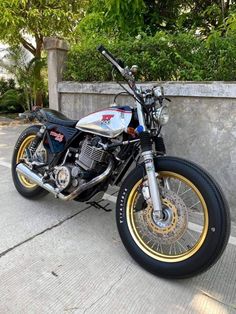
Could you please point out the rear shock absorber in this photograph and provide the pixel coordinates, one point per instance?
(35, 143)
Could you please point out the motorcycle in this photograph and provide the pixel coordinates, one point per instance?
(171, 215)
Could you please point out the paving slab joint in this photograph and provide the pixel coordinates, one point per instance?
(42, 232)
(110, 289)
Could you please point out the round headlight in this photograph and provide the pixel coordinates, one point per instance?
(161, 115)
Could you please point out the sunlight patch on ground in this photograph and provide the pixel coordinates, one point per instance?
(205, 303)
(210, 306)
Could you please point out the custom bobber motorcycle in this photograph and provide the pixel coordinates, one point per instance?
(171, 215)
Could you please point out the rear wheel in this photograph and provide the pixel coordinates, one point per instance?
(195, 227)
(23, 185)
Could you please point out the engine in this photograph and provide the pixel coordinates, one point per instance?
(91, 156)
(81, 165)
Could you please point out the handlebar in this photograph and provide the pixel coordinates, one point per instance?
(125, 72)
(110, 58)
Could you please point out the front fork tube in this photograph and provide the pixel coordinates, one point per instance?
(152, 182)
(146, 147)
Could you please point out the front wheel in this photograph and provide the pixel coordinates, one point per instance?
(194, 230)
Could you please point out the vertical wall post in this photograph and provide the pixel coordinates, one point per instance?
(57, 54)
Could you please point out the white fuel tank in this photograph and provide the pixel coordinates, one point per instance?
(108, 122)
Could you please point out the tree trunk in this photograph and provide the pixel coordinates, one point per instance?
(227, 4)
(38, 75)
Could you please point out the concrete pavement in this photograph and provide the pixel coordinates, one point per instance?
(58, 257)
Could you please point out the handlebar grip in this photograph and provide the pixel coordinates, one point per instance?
(105, 52)
(109, 57)
(100, 48)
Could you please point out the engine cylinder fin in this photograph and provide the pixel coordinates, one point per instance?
(90, 156)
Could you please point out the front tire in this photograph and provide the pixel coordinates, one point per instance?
(196, 227)
(24, 186)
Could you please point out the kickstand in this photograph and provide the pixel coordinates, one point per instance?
(98, 206)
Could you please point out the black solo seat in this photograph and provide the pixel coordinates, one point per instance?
(54, 116)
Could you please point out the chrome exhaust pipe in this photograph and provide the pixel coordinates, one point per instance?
(22, 169)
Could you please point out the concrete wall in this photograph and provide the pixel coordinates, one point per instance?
(202, 127)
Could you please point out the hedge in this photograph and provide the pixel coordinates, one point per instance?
(162, 57)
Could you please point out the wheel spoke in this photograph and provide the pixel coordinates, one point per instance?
(198, 202)
(175, 249)
(161, 248)
(194, 227)
(188, 231)
(185, 192)
(180, 245)
(167, 184)
(153, 245)
(179, 188)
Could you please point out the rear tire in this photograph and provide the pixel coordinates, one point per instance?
(23, 185)
(213, 236)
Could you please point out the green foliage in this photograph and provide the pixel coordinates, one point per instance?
(12, 101)
(162, 15)
(5, 85)
(113, 17)
(180, 40)
(38, 18)
(19, 63)
(116, 18)
(220, 63)
(161, 57)
(125, 13)
(230, 23)
(28, 22)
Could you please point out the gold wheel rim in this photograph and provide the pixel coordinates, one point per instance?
(20, 154)
(130, 211)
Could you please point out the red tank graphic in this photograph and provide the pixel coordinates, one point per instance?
(107, 117)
